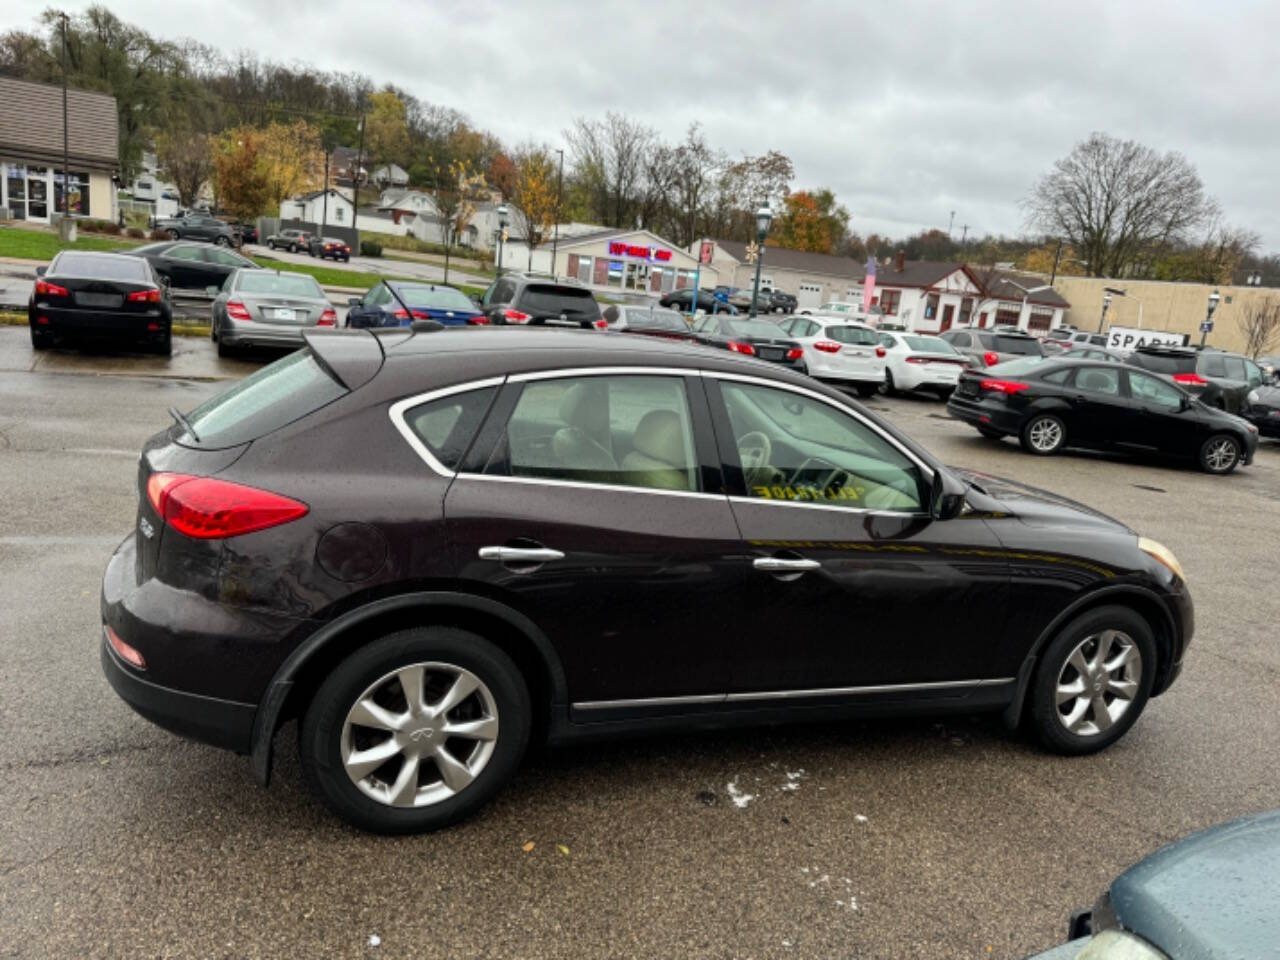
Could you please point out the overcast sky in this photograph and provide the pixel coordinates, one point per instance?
(907, 110)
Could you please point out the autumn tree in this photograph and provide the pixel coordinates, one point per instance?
(502, 174)
(534, 200)
(455, 198)
(1259, 323)
(291, 158)
(812, 221)
(1044, 259)
(1117, 200)
(386, 131)
(239, 176)
(187, 160)
(1215, 258)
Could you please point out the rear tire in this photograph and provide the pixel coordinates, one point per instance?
(222, 241)
(1219, 454)
(173, 235)
(1043, 435)
(481, 765)
(164, 346)
(1125, 672)
(866, 390)
(41, 339)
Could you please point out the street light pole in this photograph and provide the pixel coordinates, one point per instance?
(764, 217)
(1208, 317)
(1106, 302)
(555, 237)
(66, 152)
(502, 232)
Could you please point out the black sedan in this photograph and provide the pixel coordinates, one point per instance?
(648, 321)
(751, 338)
(1262, 409)
(101, 297)
(326, 247)
(684, 300)
(192, 266)
(1051, 403)
(555, 534)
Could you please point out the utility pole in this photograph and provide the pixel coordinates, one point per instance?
(964, 235)
(355, 182)
(555, 237)
(1057, 257)
(66, 152)
(951, 225)
(324, 204)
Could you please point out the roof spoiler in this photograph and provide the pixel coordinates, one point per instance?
(352, 357)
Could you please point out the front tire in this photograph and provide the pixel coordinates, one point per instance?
(222, 241)
(173, 234)
(1219, 454)
(416, 730)
(1044, 435)
(1093, 681)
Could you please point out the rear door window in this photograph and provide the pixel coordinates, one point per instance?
(446, 427)
(1235, 368)
(276, 395)
(1213, 366)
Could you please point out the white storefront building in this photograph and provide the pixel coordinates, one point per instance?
(619, 260)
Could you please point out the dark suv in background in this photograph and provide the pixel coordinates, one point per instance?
(1216, 377)
(986, 348)
(199, 226)
(538, 300)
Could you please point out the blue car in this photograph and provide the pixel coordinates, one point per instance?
(426, 301)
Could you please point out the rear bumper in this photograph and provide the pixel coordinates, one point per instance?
(242, 332)
(99, 324)
(221, 723)
(982, 413)
(912, 376)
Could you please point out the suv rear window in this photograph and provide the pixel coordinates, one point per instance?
(549, 298)
(276, 395)
(1024, 346)
(1165, 363)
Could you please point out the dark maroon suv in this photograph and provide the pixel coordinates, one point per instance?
(436, 547)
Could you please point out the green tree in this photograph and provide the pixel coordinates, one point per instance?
(386, 130)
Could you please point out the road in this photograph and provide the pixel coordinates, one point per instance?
(903, 839)
(388, 266)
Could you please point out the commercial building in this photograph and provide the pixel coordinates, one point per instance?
(31, 152)
(614, 259)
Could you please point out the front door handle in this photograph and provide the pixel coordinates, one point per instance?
(783, 565)
(520, 554)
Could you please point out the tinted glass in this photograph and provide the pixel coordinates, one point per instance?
(1235, 368)
(1023, 346)
(796, 448)
(627, 430)
(960, 339)
(929, 344)
(448, 425)
(1019, 367)
(654, 320)
(440, 298)
(751, 328)
(228, 259)
(1104, 380)
(277, 394)
(150, 248)
(1151, 390)
(129, 269)
(1213, 365)
(1060, 377)
(281, 284)
(1164, 362)
(546, 298)
(184, 253)
(500, 292)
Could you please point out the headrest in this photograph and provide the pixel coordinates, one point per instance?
(660, 435)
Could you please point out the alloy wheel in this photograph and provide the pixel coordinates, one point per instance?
(1045, 434)
(1098, 682)
(419, 734)
(1221, 454)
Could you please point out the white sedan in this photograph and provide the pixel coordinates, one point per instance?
(919, 362)
(850, 353)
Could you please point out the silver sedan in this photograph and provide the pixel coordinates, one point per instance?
(268, 308)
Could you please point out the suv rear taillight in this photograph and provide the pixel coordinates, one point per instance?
(1190, 379)
(515, 316)
(205, 508)
(237, 310)
(990, 359)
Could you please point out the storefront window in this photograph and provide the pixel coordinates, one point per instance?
(16, 183)
(966, 310)
(79, 193)
(889, 300)
(615, 273)
(584, 269)
(37, 193)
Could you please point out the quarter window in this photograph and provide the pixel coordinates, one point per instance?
(628, 430)
(796, 448)
(1150, 390)
(185, 253)
(447, 426)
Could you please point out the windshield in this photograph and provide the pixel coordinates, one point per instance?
(929, 344)
(280, 284)
(752, 328)
(438, 298)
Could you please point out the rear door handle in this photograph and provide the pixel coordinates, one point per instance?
(520, 554)
(782, 565)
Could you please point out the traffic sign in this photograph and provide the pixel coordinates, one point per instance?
(1206, 326)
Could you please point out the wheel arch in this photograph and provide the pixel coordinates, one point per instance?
(1144, 602)
(306, 667)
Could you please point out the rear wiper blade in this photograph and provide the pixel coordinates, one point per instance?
(183, 422)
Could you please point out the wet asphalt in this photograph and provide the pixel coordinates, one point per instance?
(868, 839)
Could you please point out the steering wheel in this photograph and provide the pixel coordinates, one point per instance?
(754, 450)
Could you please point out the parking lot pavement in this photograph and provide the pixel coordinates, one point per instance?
(900, 840)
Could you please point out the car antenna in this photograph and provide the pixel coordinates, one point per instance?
(183, 422)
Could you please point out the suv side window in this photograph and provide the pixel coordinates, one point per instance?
(632, 430)
(1235, 368)
(502, 291)
(1212, 365)
(796, 448)
(1253, 374)
(1150, 390)
(960, 339)
(447, 426)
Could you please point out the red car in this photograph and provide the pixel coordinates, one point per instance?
(325, 247)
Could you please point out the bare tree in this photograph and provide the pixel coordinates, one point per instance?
(187, 160)
(609, 161)
(1117, 200)
(696, 168)
(1259, 323)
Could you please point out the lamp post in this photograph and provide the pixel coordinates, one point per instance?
(1208, 317)
(1026, 292)
(555, 237)
(1106, 302)
(502, 232)
(764, 219)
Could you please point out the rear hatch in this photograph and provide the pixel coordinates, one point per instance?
(553, 304)
(217, 432)
(1179, 366)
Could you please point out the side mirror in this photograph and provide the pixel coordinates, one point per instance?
(946, 496)
(475, 298)
(40, 271)
(354, 302)
(164, 279)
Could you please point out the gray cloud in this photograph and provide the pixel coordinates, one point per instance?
(908, 111)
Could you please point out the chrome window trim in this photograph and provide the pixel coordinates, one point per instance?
(861, 511)
(582, 485)
(569, 372)
(401, 407)
(787, 694)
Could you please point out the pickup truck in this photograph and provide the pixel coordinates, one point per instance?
(198, 226)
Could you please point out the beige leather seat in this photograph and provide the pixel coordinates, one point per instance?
(579, 448)
(660, 456)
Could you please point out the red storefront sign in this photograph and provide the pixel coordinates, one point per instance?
(644, 253)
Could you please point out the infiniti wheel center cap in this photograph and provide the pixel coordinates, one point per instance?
(423, 735)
